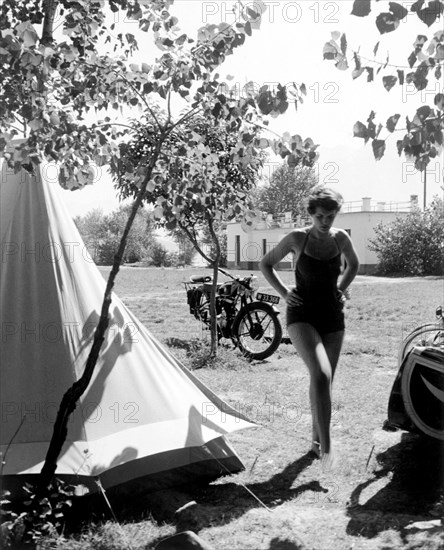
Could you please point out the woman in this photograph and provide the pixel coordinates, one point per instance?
(315, 317)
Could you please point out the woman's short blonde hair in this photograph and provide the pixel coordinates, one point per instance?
(325, 197)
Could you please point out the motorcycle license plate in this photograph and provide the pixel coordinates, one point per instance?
(267, 298)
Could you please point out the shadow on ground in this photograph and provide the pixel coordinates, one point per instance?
(414, 489)
(220, 504)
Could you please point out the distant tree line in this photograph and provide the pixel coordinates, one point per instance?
(409, 246)
(101, 234)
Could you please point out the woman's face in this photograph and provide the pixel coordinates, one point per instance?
(323, 219)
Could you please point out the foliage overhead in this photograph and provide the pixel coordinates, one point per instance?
(198, 186)
(424, 130)
(52, 81)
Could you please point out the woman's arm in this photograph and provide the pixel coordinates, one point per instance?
(273, 257)
(352, 262)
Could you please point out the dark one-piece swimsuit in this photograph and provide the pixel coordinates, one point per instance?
(316, 282)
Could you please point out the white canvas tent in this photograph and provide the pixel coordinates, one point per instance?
(144, 415)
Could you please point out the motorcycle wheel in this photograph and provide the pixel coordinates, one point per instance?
(257, 330)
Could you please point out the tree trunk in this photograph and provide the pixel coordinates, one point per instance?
(214, 263)
(73, 394)
(213, 312)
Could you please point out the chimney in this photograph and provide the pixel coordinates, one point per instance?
(366, 204)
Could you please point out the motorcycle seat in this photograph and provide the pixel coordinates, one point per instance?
(201, 279)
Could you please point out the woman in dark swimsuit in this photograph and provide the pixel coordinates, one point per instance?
(315, 318)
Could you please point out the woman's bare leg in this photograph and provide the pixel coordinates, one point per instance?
(333, 344)
(309, 345)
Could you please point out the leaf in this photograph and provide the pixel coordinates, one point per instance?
(26, 111)
(360, 130)
(439, 101)
(54, 118)
(378, 146)
(217, 109)
(330, 50)
(370, 75)
(356, 73)
(27, 34)
(439, 52)
(343, 44)
(431, 13)
(389, 82)
(361, 8)
(416, 6)
(400, 76)
(398, 11)
(423, 112)
(421, 39)
(392, 122)
(421, 162)
(263, 143)
(375, 49)
(412, 59)
(342, 63)
(387, 22)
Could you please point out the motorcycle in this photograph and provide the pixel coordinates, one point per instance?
(247, 317)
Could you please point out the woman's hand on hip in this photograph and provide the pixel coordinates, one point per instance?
(293, 299)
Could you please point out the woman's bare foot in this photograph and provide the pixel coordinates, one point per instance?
(316, 448)
(329, 461)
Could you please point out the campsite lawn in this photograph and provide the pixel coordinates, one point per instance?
(386, 482)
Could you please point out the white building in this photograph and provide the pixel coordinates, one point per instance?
(245, 246)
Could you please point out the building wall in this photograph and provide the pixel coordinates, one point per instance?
(360, 226)
(245, 250)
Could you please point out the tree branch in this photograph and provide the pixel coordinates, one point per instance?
(49, 8)
(73, 394)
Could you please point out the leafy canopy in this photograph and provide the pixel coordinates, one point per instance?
(424, 130)
(55, 83)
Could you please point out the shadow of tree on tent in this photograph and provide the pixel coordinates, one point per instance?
(415, 470)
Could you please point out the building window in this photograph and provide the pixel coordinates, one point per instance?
(264, 246)
(238, 250)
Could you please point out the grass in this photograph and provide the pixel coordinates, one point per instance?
(386, 483)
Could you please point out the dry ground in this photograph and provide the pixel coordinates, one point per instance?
(387, 484)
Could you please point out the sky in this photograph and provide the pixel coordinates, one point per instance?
(288, 48)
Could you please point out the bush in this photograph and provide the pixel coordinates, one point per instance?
(159, 255)
(413, 245)
(102, 233)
